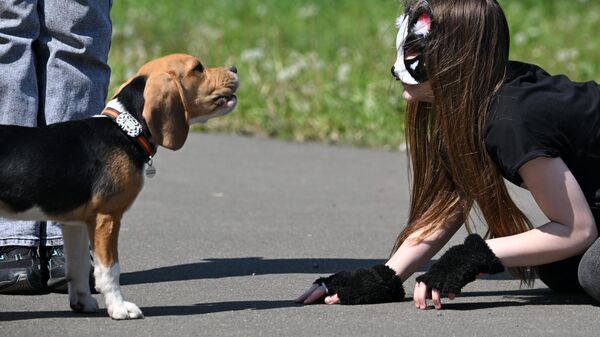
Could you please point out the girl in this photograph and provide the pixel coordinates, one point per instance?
(474, 118)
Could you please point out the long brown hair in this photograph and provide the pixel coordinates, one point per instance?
(466, 60)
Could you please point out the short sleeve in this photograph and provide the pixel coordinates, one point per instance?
(513, 141)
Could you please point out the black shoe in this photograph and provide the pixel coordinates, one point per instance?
(20, 271)
(54, 260)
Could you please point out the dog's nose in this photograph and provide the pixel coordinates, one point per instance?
(394, 72)
(233, 69)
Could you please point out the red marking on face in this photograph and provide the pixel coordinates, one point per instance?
(425, 20)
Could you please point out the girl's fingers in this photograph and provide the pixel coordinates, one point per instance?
(333, 299)
(307, 293)
(420, 296)
(435, 296)
(317, 293)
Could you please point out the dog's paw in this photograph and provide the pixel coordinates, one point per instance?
(83, 303)
(125, 310)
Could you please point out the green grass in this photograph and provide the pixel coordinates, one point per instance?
(318, 70)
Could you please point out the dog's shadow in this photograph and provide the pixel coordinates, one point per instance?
(243, 266)
(513, 298)
(247, 266)
(174, 310)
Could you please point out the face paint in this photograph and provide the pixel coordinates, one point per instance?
(414, 27)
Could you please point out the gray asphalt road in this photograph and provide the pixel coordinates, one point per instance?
(231, 229)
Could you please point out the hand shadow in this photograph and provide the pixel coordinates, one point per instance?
(522, 297)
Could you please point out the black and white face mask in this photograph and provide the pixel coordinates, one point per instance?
(414, 27)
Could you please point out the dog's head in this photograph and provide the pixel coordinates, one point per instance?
(180, 91)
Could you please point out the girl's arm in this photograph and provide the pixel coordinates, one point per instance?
(571, 229)
(410, 256)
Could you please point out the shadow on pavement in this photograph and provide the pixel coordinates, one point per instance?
(516, 298)
(27, 315)
(174, 310)
(245, 266)
(209, 308)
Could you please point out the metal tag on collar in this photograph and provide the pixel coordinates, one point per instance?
(150, 170)
(129, 124)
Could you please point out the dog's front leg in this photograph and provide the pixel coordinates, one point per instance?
(78, 267)
(105, 237)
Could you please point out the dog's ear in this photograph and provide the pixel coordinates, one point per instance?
(121, 88)
(164, 111)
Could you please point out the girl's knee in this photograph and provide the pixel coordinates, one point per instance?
(561, 276)
(589, 271)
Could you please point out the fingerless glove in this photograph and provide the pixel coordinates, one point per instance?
(460, 265)
(377, 284)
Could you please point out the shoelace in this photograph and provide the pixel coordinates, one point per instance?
(56, 252)
(18, 256)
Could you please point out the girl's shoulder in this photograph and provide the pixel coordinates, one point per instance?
(531, 93)
(537, 114)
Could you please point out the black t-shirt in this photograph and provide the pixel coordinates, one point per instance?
(539, 115)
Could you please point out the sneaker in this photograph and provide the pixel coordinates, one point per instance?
(20, 271)
(54, 260)
(55, 270)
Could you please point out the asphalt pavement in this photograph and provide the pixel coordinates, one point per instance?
(231, 229)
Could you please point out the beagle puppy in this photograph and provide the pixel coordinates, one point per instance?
(86, 173)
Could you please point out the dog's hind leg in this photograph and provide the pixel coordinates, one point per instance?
(78, 267)
(104, 234)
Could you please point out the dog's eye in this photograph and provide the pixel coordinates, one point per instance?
(199, 68)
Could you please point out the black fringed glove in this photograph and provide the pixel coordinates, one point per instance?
(460, 265)
(378, 284)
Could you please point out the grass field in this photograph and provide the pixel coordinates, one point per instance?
(318, 70)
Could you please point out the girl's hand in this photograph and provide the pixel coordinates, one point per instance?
(314, 293)
(376, 284)
(460, 265)
(422, 294)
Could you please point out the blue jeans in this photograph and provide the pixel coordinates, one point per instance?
(53, 68)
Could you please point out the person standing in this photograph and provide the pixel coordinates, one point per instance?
(53, 68)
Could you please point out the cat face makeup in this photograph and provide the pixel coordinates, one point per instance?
(413, 28)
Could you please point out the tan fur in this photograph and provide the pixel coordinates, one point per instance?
(176, 92)
(162, 92)
(104, 238)
(174, 87)
(104, 214)
(174, 95)
(126, 181)
(104, 223)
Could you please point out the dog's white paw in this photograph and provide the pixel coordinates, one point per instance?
(83, 303)
(125, 310)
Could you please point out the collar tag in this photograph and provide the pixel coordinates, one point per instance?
(126, 122)
(150, 170)
(129, 124)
